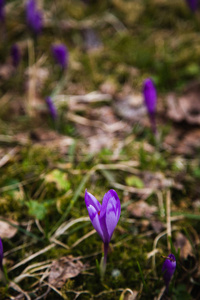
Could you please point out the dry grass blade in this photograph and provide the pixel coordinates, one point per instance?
(17, 248)
(8, 156)
(59, 243)
(16, 185)
(83, 238)
(123, 166)
(18, 289)
(86, 122)
(92, 97)
(52, 287)
(61, 230)
(33, 267)
(154, 248)
(132, 189)
(161, 204)
(26, 275)
(32, 257)
(155, 245)
(161, 293)
(168, 215)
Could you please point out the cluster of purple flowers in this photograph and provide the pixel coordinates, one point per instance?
(60, 53)
(104, 217)
(34, 20)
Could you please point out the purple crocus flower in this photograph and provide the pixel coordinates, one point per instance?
(1, 254)
(168, 269)
(2, 11)
(104, 217)
(193, 5)
(150, 99)
(15, 54)
(51, 107)
(60, 54)
(34, 17)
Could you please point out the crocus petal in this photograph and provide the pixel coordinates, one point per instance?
(94, 217)
(91, 200)
(111, 195)
(109, 214)
(112, 215)
(168, 269)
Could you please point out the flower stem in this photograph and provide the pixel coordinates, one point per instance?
(153, 123)
(104, 261)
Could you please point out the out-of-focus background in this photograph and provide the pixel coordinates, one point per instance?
(73, 116)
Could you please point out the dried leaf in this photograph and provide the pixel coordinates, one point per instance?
(182, 141)
(63, 269)
(130, 106)
(184, 245)
(157, 226)
(141, 209)
(7, 230)
(51, 139)
(187, 107)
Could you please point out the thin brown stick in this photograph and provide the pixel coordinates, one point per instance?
(168, 215)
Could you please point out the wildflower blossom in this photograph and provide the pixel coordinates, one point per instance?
(34, 17)
(51, 107)
(2, 11)
(150, 99)
(15, 54)
(60, 54)
(104, 217)
(168, 269)
(193, 4)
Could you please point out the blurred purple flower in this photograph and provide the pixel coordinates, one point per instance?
(15, 54)
(168, 269)
(193, 4)
(51, 107)
(60, 54)
(2, 11)
(104, 217)
(150, 99)
(150, 95)
(1, 254)
(34, 17)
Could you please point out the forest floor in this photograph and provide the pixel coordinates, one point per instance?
(101, 139)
